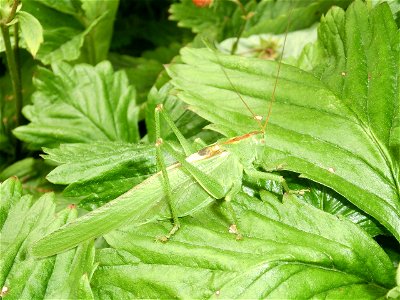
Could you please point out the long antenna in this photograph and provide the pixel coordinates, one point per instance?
(255, 117)
(277, 74)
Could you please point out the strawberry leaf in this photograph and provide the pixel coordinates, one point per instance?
(98, 172)
(80, 104)
(23, 222)
(203, 260)
(31, 31)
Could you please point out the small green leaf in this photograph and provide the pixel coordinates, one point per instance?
(31, 31)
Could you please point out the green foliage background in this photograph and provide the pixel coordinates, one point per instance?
(82, 201)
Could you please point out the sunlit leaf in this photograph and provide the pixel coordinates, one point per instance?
(31, 31)
(24, 277)
(80, 104)
(98, 172)
(97, 42)
(289, 250)
(66, 26)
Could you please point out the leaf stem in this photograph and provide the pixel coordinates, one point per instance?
(13, 11)
(13, 65)
(246, 16)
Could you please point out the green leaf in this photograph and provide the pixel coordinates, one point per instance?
(146, 202)
(97, 42)
(315, 194)
(62, 44)
(224, 19)
(140, 71)
(80, 104)
(31, 31)
(99, 172)
(11, 192)
(32, 173)
(275, 259)
(70, 7)
(329, 201)
(25, 222)
(332, 128)
(272, 16)
(65, 27)
(221, 20)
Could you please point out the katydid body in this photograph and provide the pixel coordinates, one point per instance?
(214, 172)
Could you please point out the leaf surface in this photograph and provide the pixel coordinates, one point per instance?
(80, 104)
(320, 126)
(315, 194)
(224, 19)
(97, 41)
(275, 258)
(98, 172)
(65, 27)
(24, 277)
(31, 31)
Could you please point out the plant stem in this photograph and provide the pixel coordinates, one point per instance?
(13, 69)
(242, 27)
(13, 66)
(12, 12)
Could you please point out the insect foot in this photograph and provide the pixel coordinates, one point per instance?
(162, 239)
(4, 291)
(159, 142)
(233, 229)
(165, 238)
(159, 107)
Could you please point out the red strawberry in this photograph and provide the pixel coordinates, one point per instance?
(202, 3)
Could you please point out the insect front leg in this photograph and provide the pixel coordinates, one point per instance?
(165, 182)
(233, 228)
(207, 182)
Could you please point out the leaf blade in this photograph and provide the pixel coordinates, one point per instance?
(31, 31)
(63, 108)
(203, 260)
